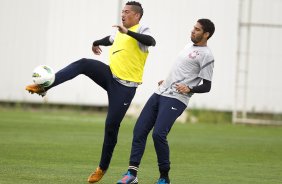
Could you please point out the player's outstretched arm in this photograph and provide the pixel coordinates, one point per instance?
(142, 38)
(96, 45)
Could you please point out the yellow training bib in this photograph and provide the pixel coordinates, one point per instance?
(127, 60)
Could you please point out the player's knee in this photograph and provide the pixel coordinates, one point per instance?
(111, 137)
(139, 134)
(158, 136)
(138, 137)
(83, 61)
(111, 129)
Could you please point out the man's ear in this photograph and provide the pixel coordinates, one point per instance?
(206, 34)
(138, 16)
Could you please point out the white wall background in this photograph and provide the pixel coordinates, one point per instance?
(53, 32)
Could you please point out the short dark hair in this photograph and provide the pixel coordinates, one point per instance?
(136, 6)
(207, 26)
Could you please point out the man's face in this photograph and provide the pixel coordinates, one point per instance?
(197, 34)
(129, 17)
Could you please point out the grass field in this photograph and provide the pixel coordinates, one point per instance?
(48, 146)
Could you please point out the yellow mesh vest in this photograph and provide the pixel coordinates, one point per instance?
(127, 60)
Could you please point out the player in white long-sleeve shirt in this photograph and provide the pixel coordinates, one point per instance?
(193, 65)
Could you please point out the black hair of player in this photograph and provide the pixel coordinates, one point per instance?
(208, 26)
(136, 6)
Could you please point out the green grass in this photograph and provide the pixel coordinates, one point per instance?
(49, 146)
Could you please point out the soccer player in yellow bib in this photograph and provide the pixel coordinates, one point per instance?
(128, 54)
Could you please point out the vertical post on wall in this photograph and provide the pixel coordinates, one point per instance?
(242, 68)
(119, 11)
(236, 95)
(247, 60)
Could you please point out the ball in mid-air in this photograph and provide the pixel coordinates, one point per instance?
(43, 75)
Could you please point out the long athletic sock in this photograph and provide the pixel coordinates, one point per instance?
(133, 170)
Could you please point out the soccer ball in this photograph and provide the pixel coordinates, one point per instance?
(43, 75)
